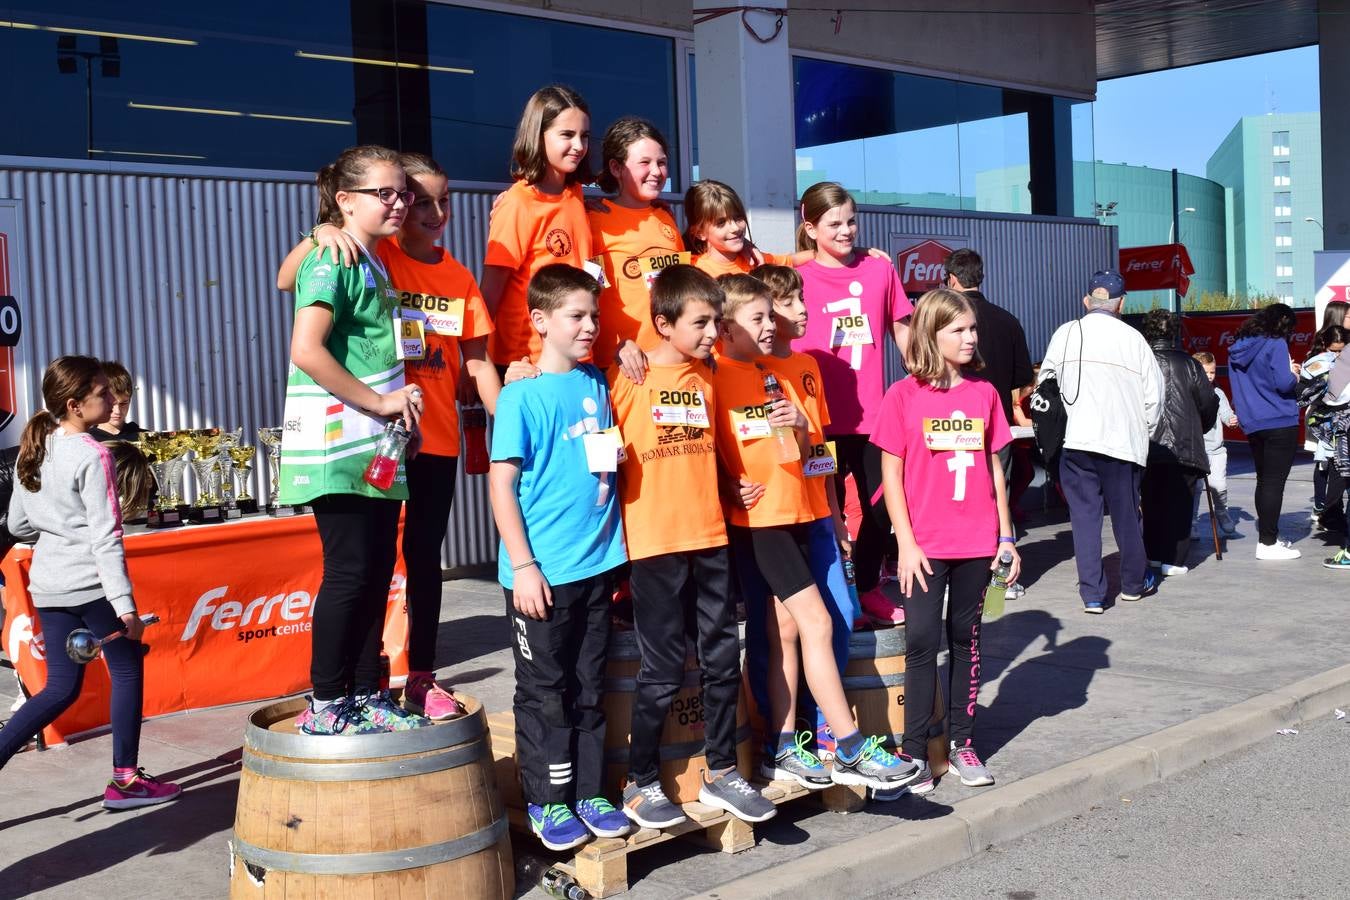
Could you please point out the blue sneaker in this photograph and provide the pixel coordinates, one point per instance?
(603, 820)
(1150, 587)
(874, 767)
(1093, 607)
(556, 827)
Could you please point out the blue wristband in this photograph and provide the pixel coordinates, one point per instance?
(1003, 539)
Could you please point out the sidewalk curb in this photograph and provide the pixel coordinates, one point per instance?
(911, 849)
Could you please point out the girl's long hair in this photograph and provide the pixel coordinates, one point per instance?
(347, 172)
(1276, 320)
(134, 478)
(67, 378)
(708, 202)
(935, 311)
(529, 162)
(817, 200)
(1335, 312)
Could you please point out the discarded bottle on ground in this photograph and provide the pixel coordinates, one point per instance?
(553, 881)
(997, 592)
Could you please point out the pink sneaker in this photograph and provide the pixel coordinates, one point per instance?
(143, 790)
(423, 695)
(881, 608)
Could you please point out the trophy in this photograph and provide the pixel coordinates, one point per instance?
(177, 445)
(205, 442)
(242, 457)
(270, 438)
(229, 440)
(157, 448)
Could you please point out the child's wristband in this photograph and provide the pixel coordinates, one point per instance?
(1005, 539)
(525, 565)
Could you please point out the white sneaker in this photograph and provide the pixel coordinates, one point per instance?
(1277, 550)
(1169, 570)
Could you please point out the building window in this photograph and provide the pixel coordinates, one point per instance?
(1282, 174)
(1279, 143)
(1283, 199)
(1284, 290)
(1284, 265)
(1284, 234)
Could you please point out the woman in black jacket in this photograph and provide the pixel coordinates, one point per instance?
(1176, 450)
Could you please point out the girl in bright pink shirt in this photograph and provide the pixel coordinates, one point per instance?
(940, 431)
(855, 304)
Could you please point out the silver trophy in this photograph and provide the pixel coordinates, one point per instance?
(270, 437)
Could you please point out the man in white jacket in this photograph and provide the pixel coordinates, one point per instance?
(1112, 391)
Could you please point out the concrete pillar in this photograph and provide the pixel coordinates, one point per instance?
(1333, 54)
(745, 116)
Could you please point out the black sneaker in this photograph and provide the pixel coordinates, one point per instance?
(731, 792)
(649, 807)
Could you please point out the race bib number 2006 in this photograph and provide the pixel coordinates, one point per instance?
(955, 433)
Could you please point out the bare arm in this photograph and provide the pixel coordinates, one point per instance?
(900, 334)
(310, 355)
(492, 284)
(912, 564)
(482, 371)
(531, 593)
(1005, 525)
(327, 237)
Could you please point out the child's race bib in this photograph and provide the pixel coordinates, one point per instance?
(604, 450)
(750, 422)
(851, 331)
(820, 460)
(651, 264)
(409, 332)
(955, 433)
(677, 407)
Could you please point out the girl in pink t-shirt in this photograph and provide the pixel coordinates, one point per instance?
(940, 431)
(855, 304)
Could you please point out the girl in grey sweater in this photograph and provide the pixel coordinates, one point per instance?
(66, 501)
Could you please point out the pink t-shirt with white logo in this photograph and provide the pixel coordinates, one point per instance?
(850, 310)
(950, 492)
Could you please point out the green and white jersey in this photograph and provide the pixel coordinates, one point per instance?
(326, 444)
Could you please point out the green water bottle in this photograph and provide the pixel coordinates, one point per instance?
(998, 587)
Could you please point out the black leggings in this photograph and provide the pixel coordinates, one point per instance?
(1166, 497)
(1273, 453)
(360, 545)
(923, 634)
(859, 456)
(431, 491)
(65, 677)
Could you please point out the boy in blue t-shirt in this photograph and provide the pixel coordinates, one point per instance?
(552, 485)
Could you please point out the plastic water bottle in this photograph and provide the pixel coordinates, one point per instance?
(997, 591)
(553, 881)
(388, 454)
(474, 419)
(850, 576)
(786, 438)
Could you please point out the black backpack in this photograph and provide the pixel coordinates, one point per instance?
(1050, 414)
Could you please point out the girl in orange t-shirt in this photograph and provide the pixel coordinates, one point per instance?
(541, 219)
(718, 232)
(457, 326)
(633, 241)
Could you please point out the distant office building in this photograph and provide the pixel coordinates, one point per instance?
(1271, 167)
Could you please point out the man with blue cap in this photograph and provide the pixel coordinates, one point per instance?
(1112, 391)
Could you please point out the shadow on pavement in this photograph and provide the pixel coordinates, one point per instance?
(470, 637)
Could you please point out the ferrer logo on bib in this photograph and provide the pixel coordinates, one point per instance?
(955, 433)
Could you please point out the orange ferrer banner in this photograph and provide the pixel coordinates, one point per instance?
(236, 606)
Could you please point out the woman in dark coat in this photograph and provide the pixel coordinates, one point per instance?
(1176, 450)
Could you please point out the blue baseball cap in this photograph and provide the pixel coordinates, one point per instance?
(1107, 280)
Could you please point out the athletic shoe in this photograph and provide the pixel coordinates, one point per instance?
(1150, 587)
(649, 807)
(380, 710)
(1094, 607)
(1316, 513)
(342, 716)
(556, 827)
(142, 790)
(795, 763)
(731, 792)
(1277, 550)
(1227, 528)
(965, 762)
(877, 606)
(423, 695)
(603, 820)
(1015, 591)
(1340, 561)
(873, 767)
(1170, 571)
(923, 782)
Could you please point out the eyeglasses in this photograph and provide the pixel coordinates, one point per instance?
(386, 195)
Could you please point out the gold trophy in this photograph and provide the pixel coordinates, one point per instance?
(177, 446)
(270, 437)
(205, 443)
(158, 448)
(222, 472)
(242, 457)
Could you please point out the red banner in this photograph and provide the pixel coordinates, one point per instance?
(1155, 268)
(235, 603)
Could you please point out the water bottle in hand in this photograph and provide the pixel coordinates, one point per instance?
(997, 592)
(388, 454)
(785, 437)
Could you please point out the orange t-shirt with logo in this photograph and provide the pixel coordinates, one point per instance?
(668, 483)
(803, 374)
(717, 267)
(739, 388)
(529, 230)
(624, 238)
(449, 295)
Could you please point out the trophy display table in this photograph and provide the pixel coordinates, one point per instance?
(235, 602)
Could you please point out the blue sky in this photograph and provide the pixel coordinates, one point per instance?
(1176, 119)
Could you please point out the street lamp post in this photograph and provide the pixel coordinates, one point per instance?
(1174, 234)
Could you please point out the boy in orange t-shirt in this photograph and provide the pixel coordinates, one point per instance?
(678, 547)
(770, 530)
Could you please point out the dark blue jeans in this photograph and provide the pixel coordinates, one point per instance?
(1095, 485)
(126, 665)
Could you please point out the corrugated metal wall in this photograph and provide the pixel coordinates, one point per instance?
(174, 276)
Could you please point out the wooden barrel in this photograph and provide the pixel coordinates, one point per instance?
(682, 759)
(411, 813)
(874, 682)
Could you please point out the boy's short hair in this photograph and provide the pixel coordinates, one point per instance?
(1203, 357)
(676, 285)
(119, 379)
(781, 280)
(739, 290)
(550, 286)
(966, 265)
